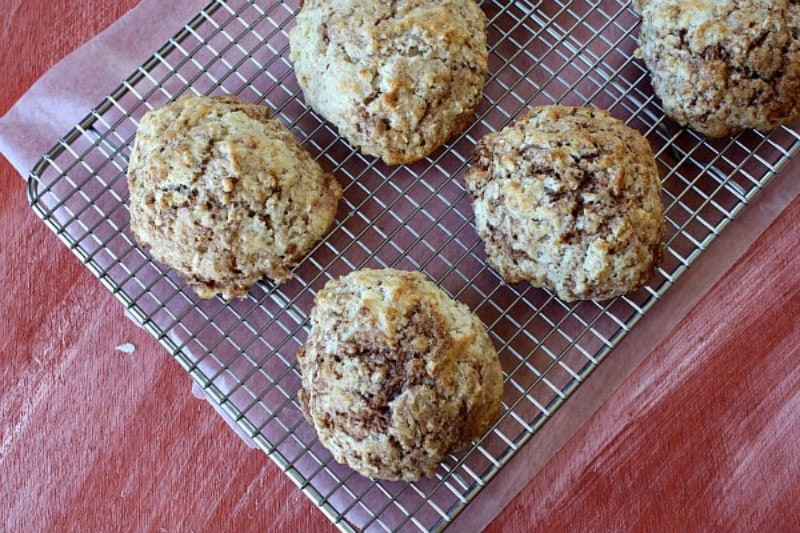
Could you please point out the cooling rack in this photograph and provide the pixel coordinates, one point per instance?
(417, 216)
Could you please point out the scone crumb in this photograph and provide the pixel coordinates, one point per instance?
(126, 348)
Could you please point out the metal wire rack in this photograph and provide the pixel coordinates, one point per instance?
(413, 217)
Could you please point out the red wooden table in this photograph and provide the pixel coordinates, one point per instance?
(702, 436)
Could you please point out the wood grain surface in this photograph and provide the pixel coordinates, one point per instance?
(703, 436)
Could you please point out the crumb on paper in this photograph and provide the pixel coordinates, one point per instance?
(127, 348)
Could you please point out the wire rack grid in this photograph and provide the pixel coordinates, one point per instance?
(412, 217)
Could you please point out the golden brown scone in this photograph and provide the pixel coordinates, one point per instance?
(725, 65)
(398, 78)
(225, 195)
(395, 374)
(568, 198)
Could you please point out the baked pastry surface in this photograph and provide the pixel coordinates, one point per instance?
(568, 198)
(397, 78)
(225, 195)
(724, 65)
(395, 374)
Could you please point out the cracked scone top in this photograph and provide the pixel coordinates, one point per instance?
(225, 195)
(720, 66)
(395, 374)
(568, 199)
(398, 78)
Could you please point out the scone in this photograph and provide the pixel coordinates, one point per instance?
(724, 65)
(398, 78)
(225, 195)
(568, 198)
(395, 374)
